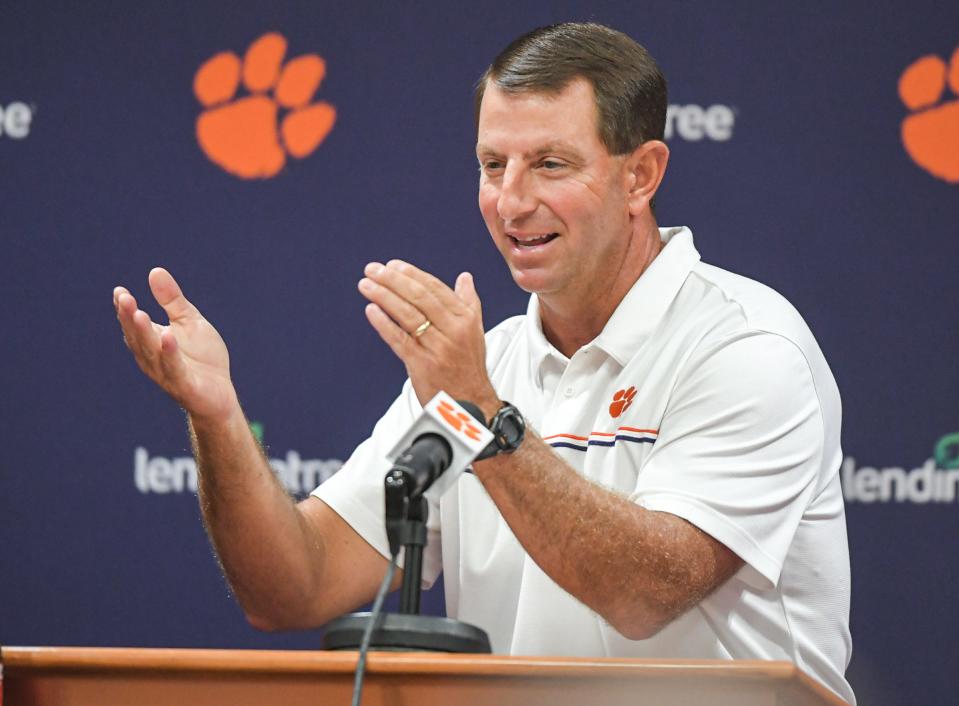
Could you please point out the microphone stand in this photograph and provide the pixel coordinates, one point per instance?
(406, 515)
(406, 527)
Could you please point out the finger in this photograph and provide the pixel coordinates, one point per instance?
(147, 337)
(168, 295)
(435, 286)
(141, 335)
(454, 308)
(171, 361)
(117, 291)
(465, 289)
(414, 286)
(395, 337)
(125, 303)
(126, 309)
(401, 311)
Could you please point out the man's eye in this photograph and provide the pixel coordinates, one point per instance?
(551, 164)
(490, 165)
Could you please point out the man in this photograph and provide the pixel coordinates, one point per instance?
(677, 492)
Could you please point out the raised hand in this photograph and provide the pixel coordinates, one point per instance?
(436, 331)
(187, 358)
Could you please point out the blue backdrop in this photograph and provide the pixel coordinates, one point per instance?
(787, 161)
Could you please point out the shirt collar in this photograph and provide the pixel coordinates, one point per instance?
(645, 304)
(638, 313)
(540, 349)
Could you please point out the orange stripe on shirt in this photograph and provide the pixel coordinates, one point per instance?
(600, 433)
(566, 436)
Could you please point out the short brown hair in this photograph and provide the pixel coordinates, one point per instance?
(629, 87)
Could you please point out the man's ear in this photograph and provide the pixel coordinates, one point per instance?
(646, 167)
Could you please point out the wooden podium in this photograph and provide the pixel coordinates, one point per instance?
(71, 676)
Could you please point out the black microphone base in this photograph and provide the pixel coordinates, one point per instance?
(401, 632)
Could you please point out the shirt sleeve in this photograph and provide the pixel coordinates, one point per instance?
(355, 491)
(740, 449)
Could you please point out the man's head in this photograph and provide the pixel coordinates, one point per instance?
(629, 88)
(570, 162)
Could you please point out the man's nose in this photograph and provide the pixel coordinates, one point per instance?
(516, 198)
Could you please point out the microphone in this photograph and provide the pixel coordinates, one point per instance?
(445, 438)
(442, 442)
(424, 461)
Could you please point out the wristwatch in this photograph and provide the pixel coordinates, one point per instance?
(508, 427)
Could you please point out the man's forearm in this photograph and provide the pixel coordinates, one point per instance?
(638, 569)
(263, 543)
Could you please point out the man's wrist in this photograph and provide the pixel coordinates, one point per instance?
(489, 406)
(231, 419)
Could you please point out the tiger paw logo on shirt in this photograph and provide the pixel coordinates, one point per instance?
(245, 135)
(621, 401)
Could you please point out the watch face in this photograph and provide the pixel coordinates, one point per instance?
(509, 428)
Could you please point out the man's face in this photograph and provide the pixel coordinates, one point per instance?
(553, 198)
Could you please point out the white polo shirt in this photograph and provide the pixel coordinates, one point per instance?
(705, 396)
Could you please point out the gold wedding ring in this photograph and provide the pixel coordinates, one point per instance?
(421, 329)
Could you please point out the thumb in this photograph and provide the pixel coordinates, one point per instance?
(168, 294)
(465, 289)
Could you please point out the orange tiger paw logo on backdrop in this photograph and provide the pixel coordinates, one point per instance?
(245, 135)
(931, 133)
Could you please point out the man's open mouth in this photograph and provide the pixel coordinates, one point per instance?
(531, 241)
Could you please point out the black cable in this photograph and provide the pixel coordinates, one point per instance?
(368, 633)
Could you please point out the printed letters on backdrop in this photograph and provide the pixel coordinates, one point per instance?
(15, 120)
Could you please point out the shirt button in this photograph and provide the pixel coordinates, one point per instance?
(568, 392)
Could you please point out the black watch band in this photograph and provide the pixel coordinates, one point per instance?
(508, 427)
